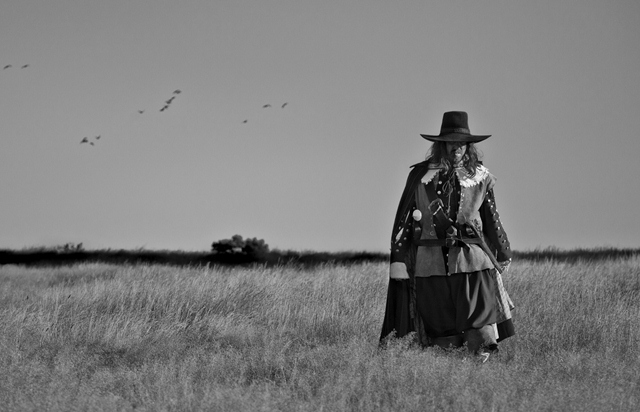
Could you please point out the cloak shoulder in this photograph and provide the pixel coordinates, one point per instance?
(415, 175)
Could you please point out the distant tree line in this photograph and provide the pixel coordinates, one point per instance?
(234, 251)
(240, 251)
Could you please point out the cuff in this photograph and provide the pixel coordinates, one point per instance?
(398, 270)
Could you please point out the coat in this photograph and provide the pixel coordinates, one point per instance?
(414, 224)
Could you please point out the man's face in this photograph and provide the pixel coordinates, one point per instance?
(456, 150)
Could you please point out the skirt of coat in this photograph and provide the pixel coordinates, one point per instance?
(450, 305)
(440, 306)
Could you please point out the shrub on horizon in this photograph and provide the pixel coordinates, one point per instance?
(252, 248)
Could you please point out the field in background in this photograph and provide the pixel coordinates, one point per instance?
(295, 338)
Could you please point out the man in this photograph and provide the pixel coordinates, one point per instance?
(448, 248)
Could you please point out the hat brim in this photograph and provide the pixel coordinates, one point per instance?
(456, 137)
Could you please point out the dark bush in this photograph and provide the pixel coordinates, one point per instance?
(248, 249)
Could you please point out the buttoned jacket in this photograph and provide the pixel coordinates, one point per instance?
(414, 221)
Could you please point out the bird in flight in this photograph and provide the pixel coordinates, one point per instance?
(25, 66)
(98, 137)
(165, 107)
(284, 105)
(266, 105)
(177, 91)
(245, 121)
(84, 140)
(6, 67)
(140, 111)
(170, 100)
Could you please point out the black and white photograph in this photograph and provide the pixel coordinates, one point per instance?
(302, 205)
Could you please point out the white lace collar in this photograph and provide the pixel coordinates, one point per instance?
(465, 179)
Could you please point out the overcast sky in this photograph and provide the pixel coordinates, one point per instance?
(555, 82)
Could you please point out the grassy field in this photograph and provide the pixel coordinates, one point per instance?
(161, 338)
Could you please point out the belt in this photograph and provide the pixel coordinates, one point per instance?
(448, 242)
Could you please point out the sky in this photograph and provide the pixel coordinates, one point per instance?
(555, 82)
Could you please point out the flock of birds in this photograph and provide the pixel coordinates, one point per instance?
(8, 66)
(267, 106)
(166, 105)
(167, 102)
(86, 140)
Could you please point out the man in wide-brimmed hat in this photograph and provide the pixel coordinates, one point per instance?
(448, 248)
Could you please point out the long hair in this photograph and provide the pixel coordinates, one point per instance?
(438, 155)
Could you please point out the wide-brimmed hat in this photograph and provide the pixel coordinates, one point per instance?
(455, 128)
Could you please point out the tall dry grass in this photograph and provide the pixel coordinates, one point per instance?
(158, 338)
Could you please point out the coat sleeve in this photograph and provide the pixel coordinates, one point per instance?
(494, 233)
